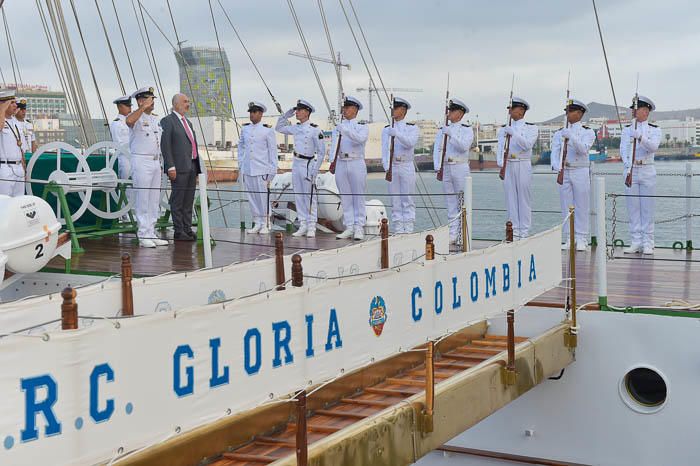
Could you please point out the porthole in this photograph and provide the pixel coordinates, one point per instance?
(644, 390)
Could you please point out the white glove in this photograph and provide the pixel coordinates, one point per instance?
(566, 133)
(392, 131)
(289, 113)
(636, 133)
(509, 130)
(448, 130)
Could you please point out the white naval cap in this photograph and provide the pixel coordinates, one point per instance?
(7, 94)
(124, 100)
(456, 104)
(255, 106)
(147, 91)
(401, 102)
(575, 104)
(520, 102)
(350, 100)
(644, 101)
(305, 104)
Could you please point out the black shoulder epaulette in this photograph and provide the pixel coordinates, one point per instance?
(320, 135)
(529, 123)
(298, 122)
(411, 124)
(246, 124)
(360, 122)
(387, 126)
(586, 127)
(266, 125)
(503, 126)
(154, 114)
(29, 121)
(653, 126)
(464, 124)
(560, 128)
(314, 125)
(627, 126)
(116, 119)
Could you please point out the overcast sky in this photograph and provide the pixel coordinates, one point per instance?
(415, 44)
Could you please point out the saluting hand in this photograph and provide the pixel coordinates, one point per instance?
(147, 103)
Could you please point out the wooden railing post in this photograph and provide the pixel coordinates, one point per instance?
(509, 231)
(465, 230)
(384, 232)
(69, 309)
(301, 440)
(297, 271)
(279, 260)
(510, 365)
(127, 292)
(429, 387)
(429, 248)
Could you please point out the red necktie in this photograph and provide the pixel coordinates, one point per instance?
(189, 135)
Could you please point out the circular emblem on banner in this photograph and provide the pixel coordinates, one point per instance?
(217, 296)
(377, 314)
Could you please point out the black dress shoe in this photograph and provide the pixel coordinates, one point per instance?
(183, 237)
(191, 234)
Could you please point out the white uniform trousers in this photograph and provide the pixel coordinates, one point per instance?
(454, 180)
(301, 181)
(146, 174)
(402, 187)
(257, 197)
(576, 191)
(11, 179)
(641, 209)
(351, 178)
(124, 163)
(518, 196)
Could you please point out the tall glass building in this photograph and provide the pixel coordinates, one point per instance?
(204, 78)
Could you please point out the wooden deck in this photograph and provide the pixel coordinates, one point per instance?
(632, 280)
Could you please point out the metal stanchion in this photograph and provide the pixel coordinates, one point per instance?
(206, 233)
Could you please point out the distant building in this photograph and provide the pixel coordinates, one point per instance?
(428, 130)
(205, 79)
(41, 102)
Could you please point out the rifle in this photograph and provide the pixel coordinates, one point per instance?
(506, 145)
(444, 137)
(628, 178)
(337, 148)
(565, 143)
(388, 175)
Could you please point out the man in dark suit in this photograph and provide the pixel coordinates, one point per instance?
(181, 162)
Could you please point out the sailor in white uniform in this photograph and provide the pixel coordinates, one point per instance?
(26, 127)
(120, 135)
(308, 145)
(454, 174)
(257, 163)
(403, 183)
(518, 167)
(641, 209)
(576, 187)
(348, 143)
(144, 145)
(11, 159)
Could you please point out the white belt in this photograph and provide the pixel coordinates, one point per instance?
(577, 164)
(513, 156)
(644, 162)
(454, 160)
(351, 156)
(150, 156)
(403, 158)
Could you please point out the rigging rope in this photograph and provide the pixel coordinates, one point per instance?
(109, 46)
(11, 51)
(336, 65)
(126, 49)
(607, 65)
(158, 83)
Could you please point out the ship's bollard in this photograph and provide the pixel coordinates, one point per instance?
(297, 271)
(571, 334)
(384, 232)
(509, 231)
(69, 310)
(429, 248)
(301, 440)
(429, 388)
(127, 292)
(279, 261)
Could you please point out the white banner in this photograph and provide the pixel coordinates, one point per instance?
(179, 290)
(91, 394)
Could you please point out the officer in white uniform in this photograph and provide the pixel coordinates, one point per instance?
(454, 174)
(120, 135)
(641, 209)
(11, 159)
(26, 128)
(576, 187)
(257, 163)
(403, 172)
(348, 142)
(308, 144)
(144, 145)
(519, 166)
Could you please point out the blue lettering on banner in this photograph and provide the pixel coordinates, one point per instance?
(309, 318)
(490, 281)
(217, 379)
(100, 415)
(416, 311)
(282, 343)
(520, 273)
(333, 331)
(252, 368)
(32, 407)
(180, 389)
(506, 277)
(474, 286)
(533, 273)
(456, 298)
(438, 297)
